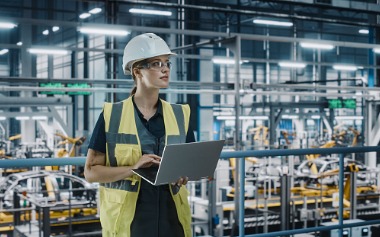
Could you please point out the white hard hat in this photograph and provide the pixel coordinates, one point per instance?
(141, 47)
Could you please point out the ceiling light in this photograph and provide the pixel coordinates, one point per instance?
(288, 116)
(223, 60)
(150, 12)
(48, 51)
(95, 10)
(316, 45)
(364, 31)
(272, 22)
(103, 31)
(22, 117)
(4, 51)
(242, 117)
(45, 32)
(376, 50)
(315, 116)
(39, 117)
(7, 25)
(345, 67)
(3, 118)
(55, 28)
(84, 15)
(292, 64)
(349, 117)
(19, 43)
(222, 113)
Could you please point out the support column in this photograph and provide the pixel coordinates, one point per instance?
(28, 128)
(285, 200)
(239, 174)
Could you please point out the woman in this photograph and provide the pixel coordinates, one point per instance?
(132, 134)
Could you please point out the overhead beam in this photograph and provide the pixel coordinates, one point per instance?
(206, 34)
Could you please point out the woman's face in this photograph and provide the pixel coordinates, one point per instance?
(153, 73)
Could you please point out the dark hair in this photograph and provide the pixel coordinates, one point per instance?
(133, 91)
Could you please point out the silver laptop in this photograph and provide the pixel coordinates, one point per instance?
(196, 160)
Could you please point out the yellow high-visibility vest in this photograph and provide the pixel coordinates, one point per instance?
(118, 199)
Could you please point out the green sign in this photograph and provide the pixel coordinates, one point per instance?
(342, 103)
(62, 92)
(52, 85)
(78, 85)
(349, 103)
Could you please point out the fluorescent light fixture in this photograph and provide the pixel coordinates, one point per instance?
(225, 117)
(364, 31)
(22, 117)
(84, 15)
(4, 51)
(222, 113)
(39, 117)
(273, 22)
(45, 32)
(376, 50)
(19, 43)
(103, 31)
(288, 116)
(48, 51)
(2, 118)
(242, 118)
(221, 60)
(55, 28)
(7, 25)
(345, 67)
(150, 12)
(315, 116)
(95, 10)
(316, 45)
(349, 117)
(260, 117)
(292, 64)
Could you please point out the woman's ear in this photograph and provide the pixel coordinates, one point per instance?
(135, 72)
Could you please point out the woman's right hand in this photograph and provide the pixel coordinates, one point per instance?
(147, 160)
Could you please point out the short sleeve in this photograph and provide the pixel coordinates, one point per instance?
(98, 138)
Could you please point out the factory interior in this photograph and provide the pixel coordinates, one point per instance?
(290, 85)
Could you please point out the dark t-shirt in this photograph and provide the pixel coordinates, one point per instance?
(155, 125)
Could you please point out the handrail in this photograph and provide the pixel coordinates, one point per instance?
(287, 152)
(30, 162)
(232, 154)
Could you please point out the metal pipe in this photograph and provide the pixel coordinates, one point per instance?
(183, 91)
(224, 155)
(341, 192)
(195, 84)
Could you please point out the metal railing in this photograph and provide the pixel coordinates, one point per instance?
(242, 154)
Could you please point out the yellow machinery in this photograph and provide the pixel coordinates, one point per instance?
(62, 152)
(76, 142)
(261, 134)
(324, 190)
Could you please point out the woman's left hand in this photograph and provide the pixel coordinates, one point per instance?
(181, 181)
